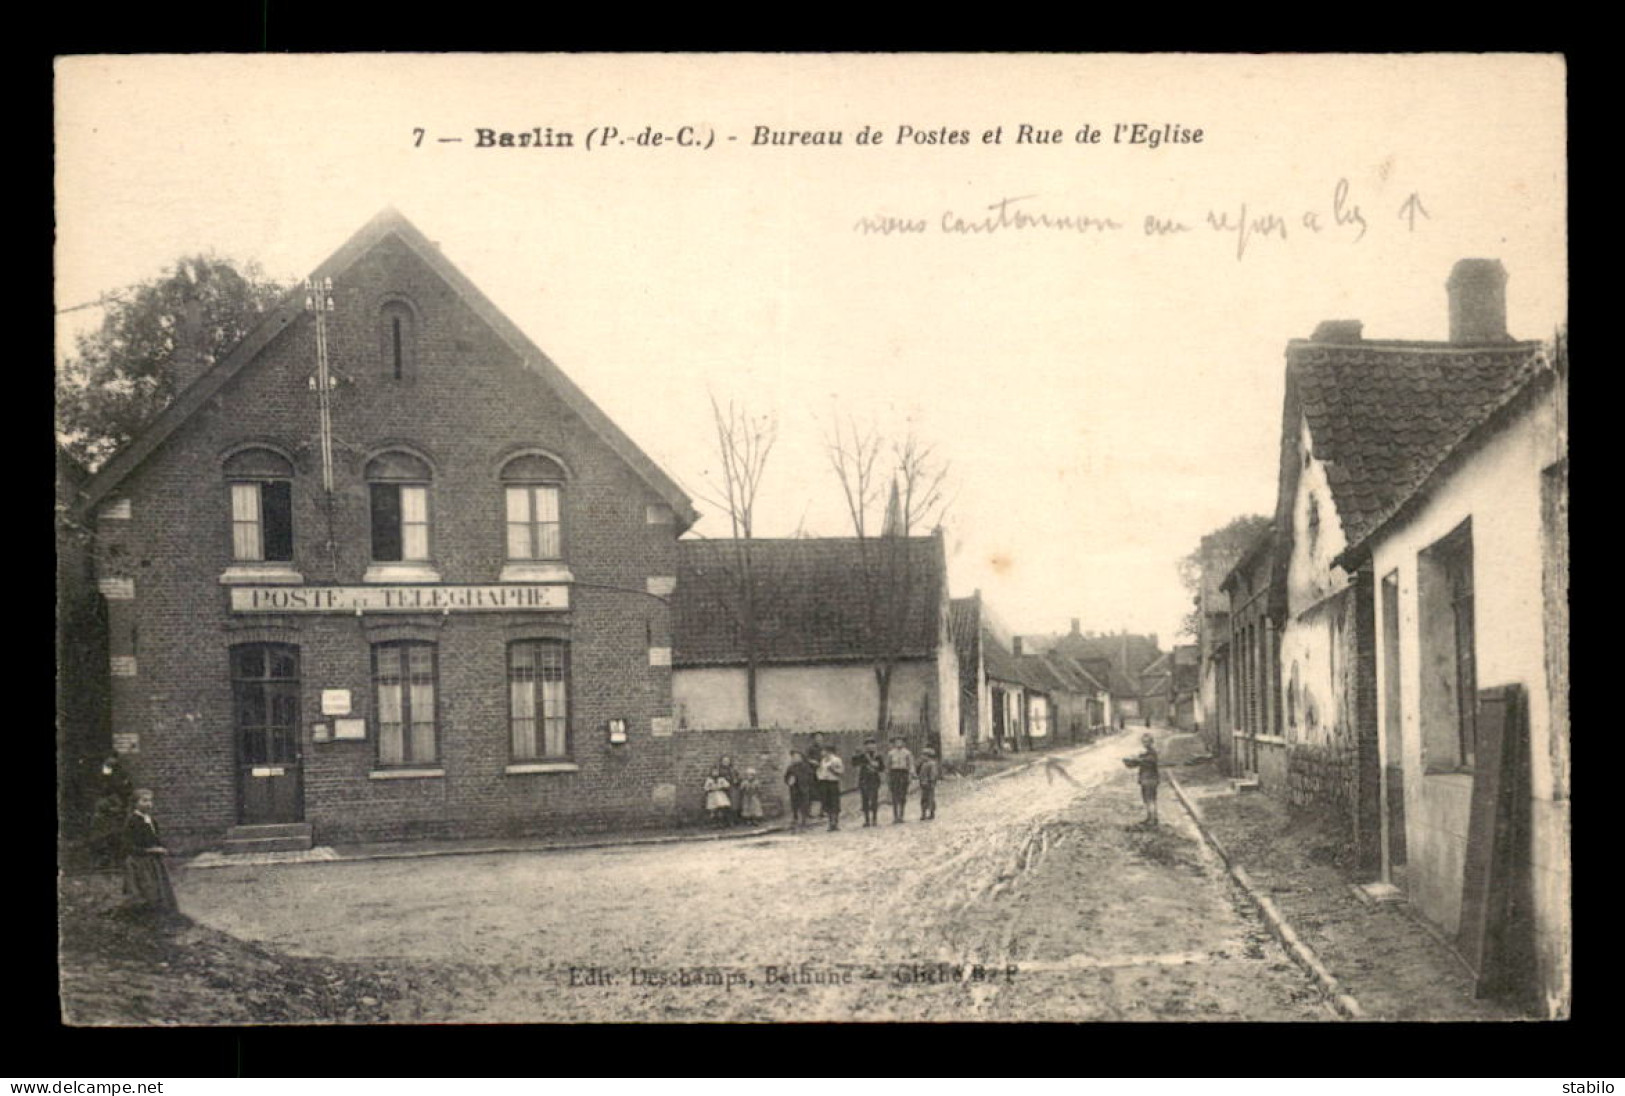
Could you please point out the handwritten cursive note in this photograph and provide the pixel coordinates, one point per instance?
(1341, 216)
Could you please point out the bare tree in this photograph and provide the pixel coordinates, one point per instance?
(910, 478)
(744, 442)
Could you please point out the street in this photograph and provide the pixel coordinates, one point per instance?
(1029, 898)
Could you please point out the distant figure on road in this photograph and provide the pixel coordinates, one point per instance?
(929, 773)
(830, 770)
(870, 765)
(716, 797)
(146, 877)
(750, 798)
(899, 769)
(1146, 762)
(800, 778)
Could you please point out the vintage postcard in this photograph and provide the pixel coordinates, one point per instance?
(812, 538)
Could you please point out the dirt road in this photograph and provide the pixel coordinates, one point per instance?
(1027, 899)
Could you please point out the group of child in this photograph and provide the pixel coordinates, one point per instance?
(732, 799)
(813, 777)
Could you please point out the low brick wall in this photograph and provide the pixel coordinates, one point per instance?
(1322, 779)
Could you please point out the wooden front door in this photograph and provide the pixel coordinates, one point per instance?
(265, 687)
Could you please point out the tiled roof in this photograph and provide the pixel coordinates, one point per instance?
(1383, 415)
(812, 601)
(964, 621)
(1038, 674)
(1091, 682)
(1001, 664)
(1127, 656)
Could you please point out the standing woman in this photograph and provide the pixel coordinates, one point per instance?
(735, 790)
(146, 877)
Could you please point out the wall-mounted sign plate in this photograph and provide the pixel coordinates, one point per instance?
(349, 728)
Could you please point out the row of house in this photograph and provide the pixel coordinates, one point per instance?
(1016, 698)
(1392, 651)
(383, 571)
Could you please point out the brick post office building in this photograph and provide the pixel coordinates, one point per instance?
(384, 572)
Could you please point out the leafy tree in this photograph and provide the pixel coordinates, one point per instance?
(1217, 552)
(124, 373)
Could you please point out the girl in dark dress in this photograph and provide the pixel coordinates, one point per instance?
(146, 876)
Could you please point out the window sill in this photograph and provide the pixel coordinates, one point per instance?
(263, 574)
(543, 767)
(536, 572)
(1449, 776)
(401, 572)
(405, 774)
(1271, 739)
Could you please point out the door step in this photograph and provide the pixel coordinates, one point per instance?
(272, 837)
(1244, 784)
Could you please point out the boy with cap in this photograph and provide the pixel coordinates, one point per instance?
(928, 775)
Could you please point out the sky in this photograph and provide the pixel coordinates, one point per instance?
(1100, 365)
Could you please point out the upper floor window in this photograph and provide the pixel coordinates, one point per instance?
(397, 340)
(261, 486)
(398, 489)
(531, 486)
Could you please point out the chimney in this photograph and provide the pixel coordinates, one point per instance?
(1015, 646)
(1337, 331)
(1478, 302)
(1074, 625)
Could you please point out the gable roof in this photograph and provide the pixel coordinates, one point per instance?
(1001, 665)
(1383, 415)
(1126, 657)
(964, 623)
(1088, 680)
(811, 606)
(1038, 675)
(1261, 547)
(284, 315)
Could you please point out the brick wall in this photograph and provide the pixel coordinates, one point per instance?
(1320, 778)
(468, 404)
